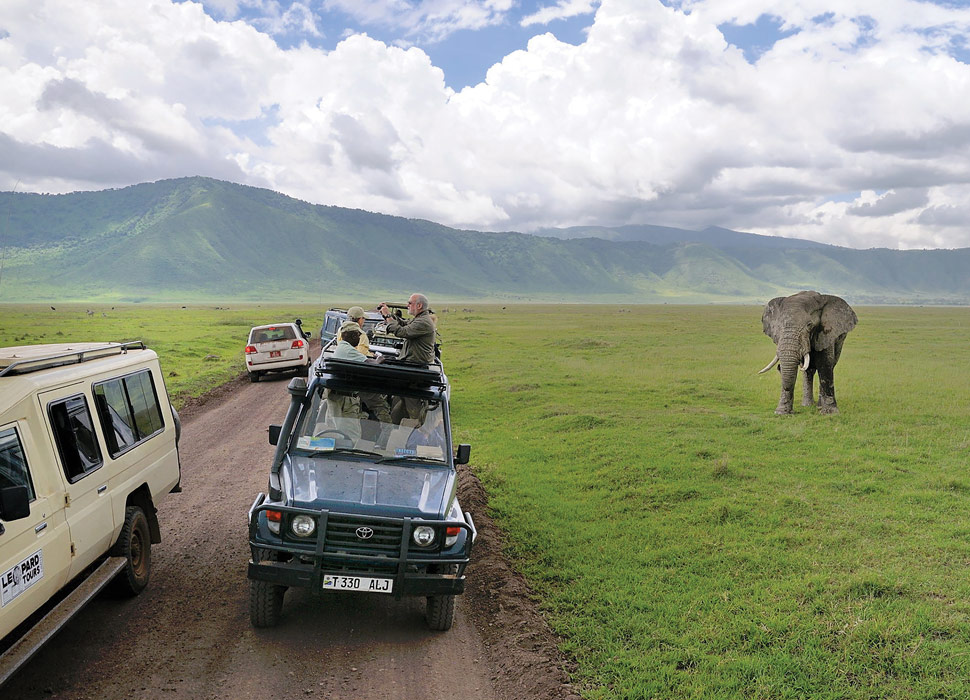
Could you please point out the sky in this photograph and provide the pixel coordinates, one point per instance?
(841, 122)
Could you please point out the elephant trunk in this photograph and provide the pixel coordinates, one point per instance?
(792, 354)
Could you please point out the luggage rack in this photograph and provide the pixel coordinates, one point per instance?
(71, 357)
(396, 371)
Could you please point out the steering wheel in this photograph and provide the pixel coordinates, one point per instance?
(334, 432)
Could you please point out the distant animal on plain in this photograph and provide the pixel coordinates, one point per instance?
(809, 329)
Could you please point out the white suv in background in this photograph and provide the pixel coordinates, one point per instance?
(277, 347)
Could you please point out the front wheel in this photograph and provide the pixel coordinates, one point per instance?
(440, 612)
(135, 545)
(265, 603)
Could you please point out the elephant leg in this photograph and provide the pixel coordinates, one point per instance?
(808, 387)
(826, 390)
(785, 403)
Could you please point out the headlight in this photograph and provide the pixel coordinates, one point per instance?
(423, 535)
(303, 525)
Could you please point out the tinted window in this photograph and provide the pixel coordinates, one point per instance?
(129, 411)
(268, 335)
(74, 434)
(13, 466)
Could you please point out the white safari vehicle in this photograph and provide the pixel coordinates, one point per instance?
(88, 449)
(277, 347)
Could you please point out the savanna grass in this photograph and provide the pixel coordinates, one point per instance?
(199, 346)
(684, 541)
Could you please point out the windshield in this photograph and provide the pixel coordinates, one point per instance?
(390, 427)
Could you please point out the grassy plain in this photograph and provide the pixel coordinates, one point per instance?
(683, 540)
(200, 346)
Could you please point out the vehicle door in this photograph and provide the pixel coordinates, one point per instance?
(35, 552)
(81, 457)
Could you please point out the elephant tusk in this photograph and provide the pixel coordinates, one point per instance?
(770, 365)
(805, 362)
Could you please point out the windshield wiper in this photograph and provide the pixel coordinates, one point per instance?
(345, 450)
(405, 458)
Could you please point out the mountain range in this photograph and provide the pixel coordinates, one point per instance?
(199, 239)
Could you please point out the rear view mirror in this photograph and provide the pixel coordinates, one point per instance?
(274, 434)
(464, 452)
(14, 503)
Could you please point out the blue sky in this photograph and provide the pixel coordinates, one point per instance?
(846, 123)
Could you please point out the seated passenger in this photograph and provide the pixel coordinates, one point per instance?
(349, 335)
(356, 314)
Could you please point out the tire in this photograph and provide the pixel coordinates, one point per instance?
(440, 612)
(265, 603)
(135, 545)
(254, 377)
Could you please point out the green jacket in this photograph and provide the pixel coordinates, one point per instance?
(418, 334)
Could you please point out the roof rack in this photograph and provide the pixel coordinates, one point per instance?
(73, 357)
(396, 371)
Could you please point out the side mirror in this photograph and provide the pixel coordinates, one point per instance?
(14, 503)
(464, 452)
(274, 434)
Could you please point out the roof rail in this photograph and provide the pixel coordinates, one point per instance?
(41, 362)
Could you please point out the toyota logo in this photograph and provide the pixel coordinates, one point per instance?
(364, 533)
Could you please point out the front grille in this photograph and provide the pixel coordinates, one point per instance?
(342, 537)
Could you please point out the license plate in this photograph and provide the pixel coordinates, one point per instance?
(275, 353)
(358, 583)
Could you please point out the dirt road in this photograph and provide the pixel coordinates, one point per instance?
(188, 635)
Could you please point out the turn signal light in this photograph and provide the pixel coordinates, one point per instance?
(250, 350)
(274, 520)
(452, 531)
(296, 344)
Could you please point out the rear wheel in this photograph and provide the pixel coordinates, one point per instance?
(254, 376)
(135, 545)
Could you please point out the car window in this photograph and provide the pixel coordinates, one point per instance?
(74, 434)
(13, 465)
(129, 410)
(272, 333)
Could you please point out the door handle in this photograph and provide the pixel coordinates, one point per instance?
(102, 488)
(40, 528)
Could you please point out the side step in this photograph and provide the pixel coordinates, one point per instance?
(24, 648)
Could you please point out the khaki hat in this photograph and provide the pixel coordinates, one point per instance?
(349, 326)
(355, 312)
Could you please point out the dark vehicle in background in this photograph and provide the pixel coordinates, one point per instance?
(374, 327)
(360, 504)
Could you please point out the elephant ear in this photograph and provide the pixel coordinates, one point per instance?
(772, 320)
(837, 319)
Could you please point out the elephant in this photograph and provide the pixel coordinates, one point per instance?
(809, 329)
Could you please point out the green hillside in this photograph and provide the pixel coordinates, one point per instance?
(203, 239)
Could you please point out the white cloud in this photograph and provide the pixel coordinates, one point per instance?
(563, 9)
(655, 118)
(429, 20)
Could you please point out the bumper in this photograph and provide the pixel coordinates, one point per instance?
(414, 572)
(291, 575)
(277, 365)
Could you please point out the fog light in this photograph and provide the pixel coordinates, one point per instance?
(303, 526)
(423, 535)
